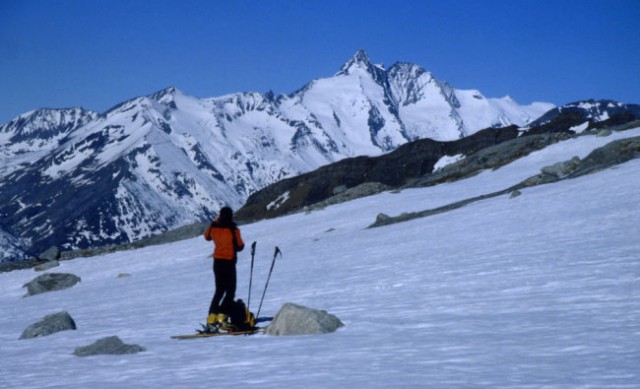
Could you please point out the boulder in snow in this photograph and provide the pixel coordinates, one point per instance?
(48, 325)
(108, 345)
(49, 282)
(295, 319)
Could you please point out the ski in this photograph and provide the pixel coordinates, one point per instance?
(221, 333)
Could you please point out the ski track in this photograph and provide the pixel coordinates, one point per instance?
(536, 291)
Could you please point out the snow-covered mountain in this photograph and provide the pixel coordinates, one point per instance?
(538, 290)
(593, 110)
(77, 179)
(33, 135)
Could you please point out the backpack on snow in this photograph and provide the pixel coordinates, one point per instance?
(241, 317)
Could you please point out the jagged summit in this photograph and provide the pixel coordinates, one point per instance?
(166, 94)
(359, 60)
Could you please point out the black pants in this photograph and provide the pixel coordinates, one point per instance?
(225, 275)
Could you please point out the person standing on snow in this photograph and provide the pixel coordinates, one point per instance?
(228, 242)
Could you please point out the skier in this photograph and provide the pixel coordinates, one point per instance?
(228, 242)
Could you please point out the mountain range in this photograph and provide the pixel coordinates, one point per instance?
(76, 179)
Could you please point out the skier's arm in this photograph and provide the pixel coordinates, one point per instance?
(239, 240)
(207, 233)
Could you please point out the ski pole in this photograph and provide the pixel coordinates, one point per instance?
(253, 253)
(273, 262)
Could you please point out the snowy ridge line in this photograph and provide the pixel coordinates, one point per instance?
(614, 153)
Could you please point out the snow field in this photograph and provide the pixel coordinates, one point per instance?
(538, 290)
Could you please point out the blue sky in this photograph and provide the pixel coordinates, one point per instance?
(98, 53)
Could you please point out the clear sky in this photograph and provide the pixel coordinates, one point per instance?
(98, 53)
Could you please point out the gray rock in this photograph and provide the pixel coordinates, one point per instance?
(46, 266)
(108, 345)
(49, 282)
(339, 189)
(52, 254)
(295, 319)
(562, 169)
(381, 217)
(515, 194)
(48, 325)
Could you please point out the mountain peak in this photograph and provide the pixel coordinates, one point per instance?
(359, 60)
(171, 92)
(361, 56)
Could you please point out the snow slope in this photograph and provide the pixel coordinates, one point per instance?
(538, 290)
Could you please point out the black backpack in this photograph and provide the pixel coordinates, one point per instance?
(241, 318)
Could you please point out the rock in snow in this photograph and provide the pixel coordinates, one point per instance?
(48, 325)
(49, 282)
(108, 345)
(293, 319)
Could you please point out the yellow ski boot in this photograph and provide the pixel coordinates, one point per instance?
(223, 322)
(212, 323)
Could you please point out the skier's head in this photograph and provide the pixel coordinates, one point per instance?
(226, 216)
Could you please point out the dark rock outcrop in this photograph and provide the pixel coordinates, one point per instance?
(489, 158)
(407, 162)
(412, 164)
(612, 154)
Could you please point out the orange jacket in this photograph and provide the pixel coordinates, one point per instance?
(222, 237)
